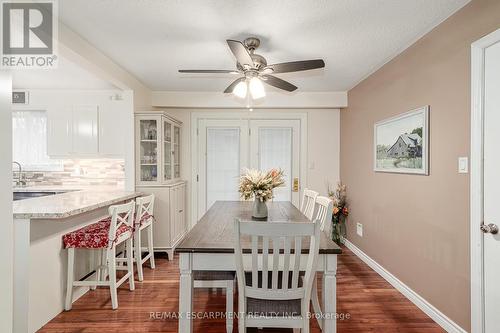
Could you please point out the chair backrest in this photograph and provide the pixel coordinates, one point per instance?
(324, 211)
(145, 208)
(120, 214)
(275, 268)
(308, 201)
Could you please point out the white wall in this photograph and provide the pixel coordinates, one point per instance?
(7, 234)
(323, 145)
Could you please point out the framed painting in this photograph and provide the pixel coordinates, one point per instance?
(401, 143)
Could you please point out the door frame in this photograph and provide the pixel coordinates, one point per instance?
(243, 115)
(476, 178)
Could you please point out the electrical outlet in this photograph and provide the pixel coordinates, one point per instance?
(359, 229)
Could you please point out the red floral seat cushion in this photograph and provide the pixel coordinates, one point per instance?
(93, 236)
(145, 217)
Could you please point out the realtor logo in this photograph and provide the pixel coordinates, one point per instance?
(28, 35)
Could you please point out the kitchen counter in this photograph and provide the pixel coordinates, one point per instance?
(70, 203)
(39, 225)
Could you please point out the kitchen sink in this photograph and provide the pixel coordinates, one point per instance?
(28, 195)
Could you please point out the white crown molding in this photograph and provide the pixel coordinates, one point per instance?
(440, 318)
(185, 99)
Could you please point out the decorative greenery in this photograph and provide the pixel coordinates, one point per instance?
(340, 212)
(260, 184)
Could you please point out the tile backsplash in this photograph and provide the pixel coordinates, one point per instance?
(81, 172)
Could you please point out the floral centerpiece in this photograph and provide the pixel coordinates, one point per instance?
(259, 185)
(340, 212)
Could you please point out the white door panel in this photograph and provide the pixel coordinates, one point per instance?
(492, 187)
(222, 154)
(275, 144)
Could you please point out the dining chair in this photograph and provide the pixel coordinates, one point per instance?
(323, 218)
(144, 219)
(272, 294)
(104, 235)
(308, 201)
(218, 279)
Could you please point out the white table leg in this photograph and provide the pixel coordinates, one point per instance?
(186, 293)
(21, 274)
(330, 294)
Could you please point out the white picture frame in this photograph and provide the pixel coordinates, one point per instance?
(401, 143)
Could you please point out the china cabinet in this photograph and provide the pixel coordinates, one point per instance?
(158, 149)
(158, 172)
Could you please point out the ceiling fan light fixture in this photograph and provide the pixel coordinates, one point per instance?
(241, 89)
(256, 88)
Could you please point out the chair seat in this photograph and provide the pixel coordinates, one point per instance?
(214, 275)
(94, 236)
(273, 308)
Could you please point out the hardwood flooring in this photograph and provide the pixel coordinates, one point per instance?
(367, 301)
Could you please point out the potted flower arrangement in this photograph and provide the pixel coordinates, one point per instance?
(340, 212)
(259, 185)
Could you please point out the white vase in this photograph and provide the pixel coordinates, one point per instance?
(259, 209)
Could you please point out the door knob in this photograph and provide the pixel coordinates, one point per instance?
(489, 228)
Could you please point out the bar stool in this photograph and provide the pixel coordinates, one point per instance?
(104, 235)
(144, 219)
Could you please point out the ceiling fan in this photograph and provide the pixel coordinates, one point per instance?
(255, 70)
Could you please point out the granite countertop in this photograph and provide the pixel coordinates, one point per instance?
(68, 204)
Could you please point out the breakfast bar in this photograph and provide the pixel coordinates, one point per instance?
(40, 261)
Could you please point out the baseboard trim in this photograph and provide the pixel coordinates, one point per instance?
(441, 319)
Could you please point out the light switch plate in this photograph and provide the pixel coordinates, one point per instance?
(359, 229)
(463, 165)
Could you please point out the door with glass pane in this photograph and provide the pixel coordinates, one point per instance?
(148, 138)
(275, 144)
(222, 153)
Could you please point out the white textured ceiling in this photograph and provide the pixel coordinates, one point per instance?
(67, 75)
(152, 39)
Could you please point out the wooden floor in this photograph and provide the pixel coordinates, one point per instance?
(367, 301)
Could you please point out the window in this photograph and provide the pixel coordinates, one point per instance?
(29, 130)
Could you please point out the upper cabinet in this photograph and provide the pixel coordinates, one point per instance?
(86, 131)
(85, 126)
(157, 149)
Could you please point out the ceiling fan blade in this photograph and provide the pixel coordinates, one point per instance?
(278, 83)
(230, 88)
(208, 71)
(295, 66)
(240, 52)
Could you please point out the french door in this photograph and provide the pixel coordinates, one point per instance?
(225, 147)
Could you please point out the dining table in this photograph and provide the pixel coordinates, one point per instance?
(209, 246)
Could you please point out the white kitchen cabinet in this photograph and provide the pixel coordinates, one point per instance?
(59, 131)
(170, 224)
(112, 136)
(85, 130)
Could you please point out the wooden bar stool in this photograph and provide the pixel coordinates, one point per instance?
(104, 235)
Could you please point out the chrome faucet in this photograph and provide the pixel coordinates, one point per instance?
(19, 181)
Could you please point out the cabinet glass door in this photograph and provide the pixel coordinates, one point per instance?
(167, 150)
(148, 150)
(177, 138)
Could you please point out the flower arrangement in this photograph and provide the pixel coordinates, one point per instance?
(340, 212)
(260, 184)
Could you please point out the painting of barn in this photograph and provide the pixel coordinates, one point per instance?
(401, 143)
(407, 146)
